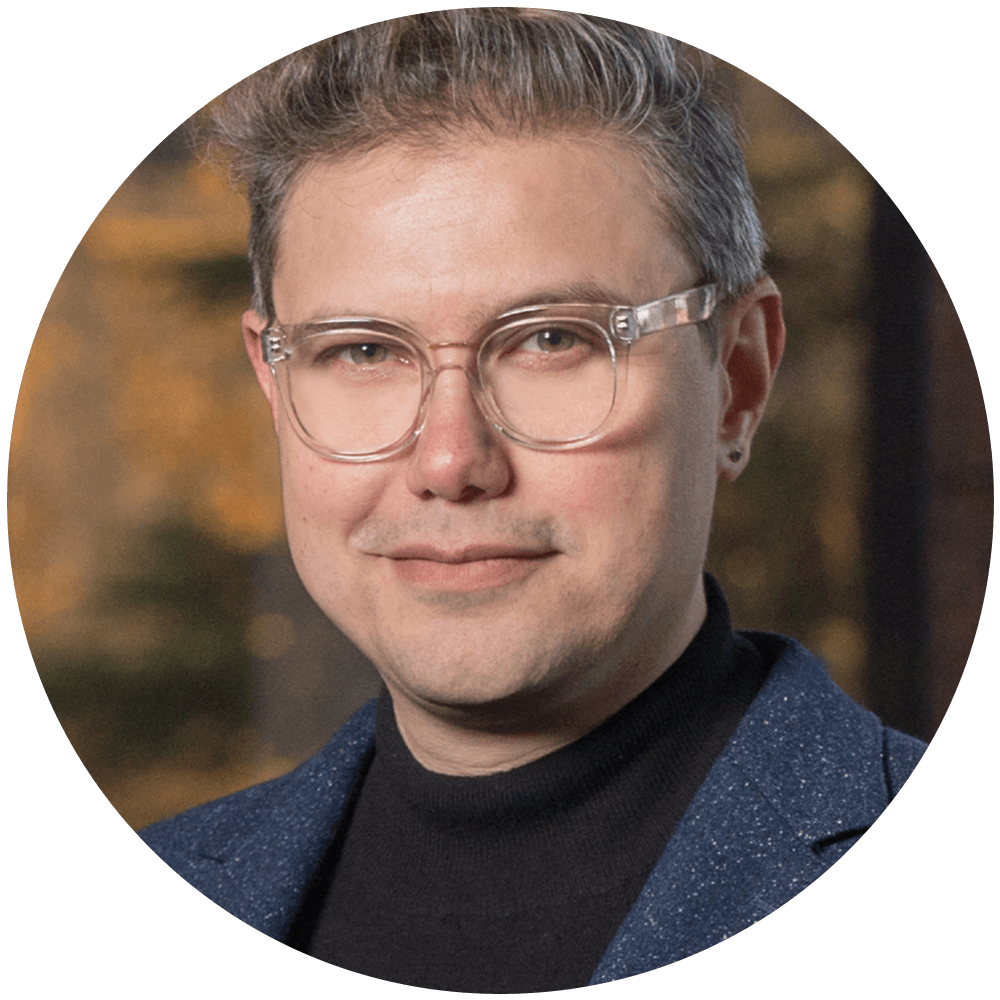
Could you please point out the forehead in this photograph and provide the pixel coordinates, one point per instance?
(479, 220)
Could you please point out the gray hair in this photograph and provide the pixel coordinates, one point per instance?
(426, 79)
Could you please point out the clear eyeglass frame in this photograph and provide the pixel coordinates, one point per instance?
(619, 325)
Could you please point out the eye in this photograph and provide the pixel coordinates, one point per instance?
(354, 354)
(357, 354)
(551, 340)
(365, 354)
(551, 347)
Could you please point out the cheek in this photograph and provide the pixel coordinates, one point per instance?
(322, 496)
(643, 496)
(614, 502)
(324, 503)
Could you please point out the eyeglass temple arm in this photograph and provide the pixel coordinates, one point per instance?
(629, 323)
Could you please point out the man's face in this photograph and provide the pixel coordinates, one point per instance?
(474, 571)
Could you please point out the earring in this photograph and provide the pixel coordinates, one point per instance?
(735, 455)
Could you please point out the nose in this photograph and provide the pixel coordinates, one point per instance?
(458, 455)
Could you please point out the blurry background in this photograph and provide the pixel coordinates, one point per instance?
(169, 628)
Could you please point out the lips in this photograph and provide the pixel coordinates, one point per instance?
(473, 567)
(465, 554)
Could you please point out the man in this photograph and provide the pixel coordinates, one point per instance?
(511, 321)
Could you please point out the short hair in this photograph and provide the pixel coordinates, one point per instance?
(427, 79)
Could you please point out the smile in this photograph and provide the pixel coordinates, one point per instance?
(471, 569)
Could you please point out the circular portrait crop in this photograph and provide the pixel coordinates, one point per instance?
(500, 501)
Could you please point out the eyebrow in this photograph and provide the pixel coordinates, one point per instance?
(587, 292)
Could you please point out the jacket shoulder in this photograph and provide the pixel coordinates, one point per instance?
(812, 750)
(901, 754)
(253, 852)
(232, 815)
(804, 776)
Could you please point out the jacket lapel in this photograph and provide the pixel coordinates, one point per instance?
(801, 779)
(256, 861)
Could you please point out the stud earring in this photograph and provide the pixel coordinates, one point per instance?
(735, 455)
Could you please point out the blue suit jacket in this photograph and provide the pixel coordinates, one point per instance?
(805, 774)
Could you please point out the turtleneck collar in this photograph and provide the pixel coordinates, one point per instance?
(569, 778)
(517, 881)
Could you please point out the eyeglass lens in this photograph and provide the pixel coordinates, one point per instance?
(358, 392)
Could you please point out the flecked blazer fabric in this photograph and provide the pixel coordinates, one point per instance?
(805, 774)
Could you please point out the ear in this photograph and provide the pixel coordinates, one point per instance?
(253, 330)
(751, 342)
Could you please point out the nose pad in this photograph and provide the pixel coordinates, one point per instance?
(458, 453)
(452, 367)
(475, 392)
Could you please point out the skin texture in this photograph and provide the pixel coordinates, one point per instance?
(512, 599)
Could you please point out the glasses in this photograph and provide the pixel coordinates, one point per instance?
(546, 376)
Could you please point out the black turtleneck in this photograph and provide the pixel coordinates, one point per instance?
(516, 882)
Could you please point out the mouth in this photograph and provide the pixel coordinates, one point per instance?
(475, 567)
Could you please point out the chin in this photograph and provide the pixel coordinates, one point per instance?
(464, 680)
